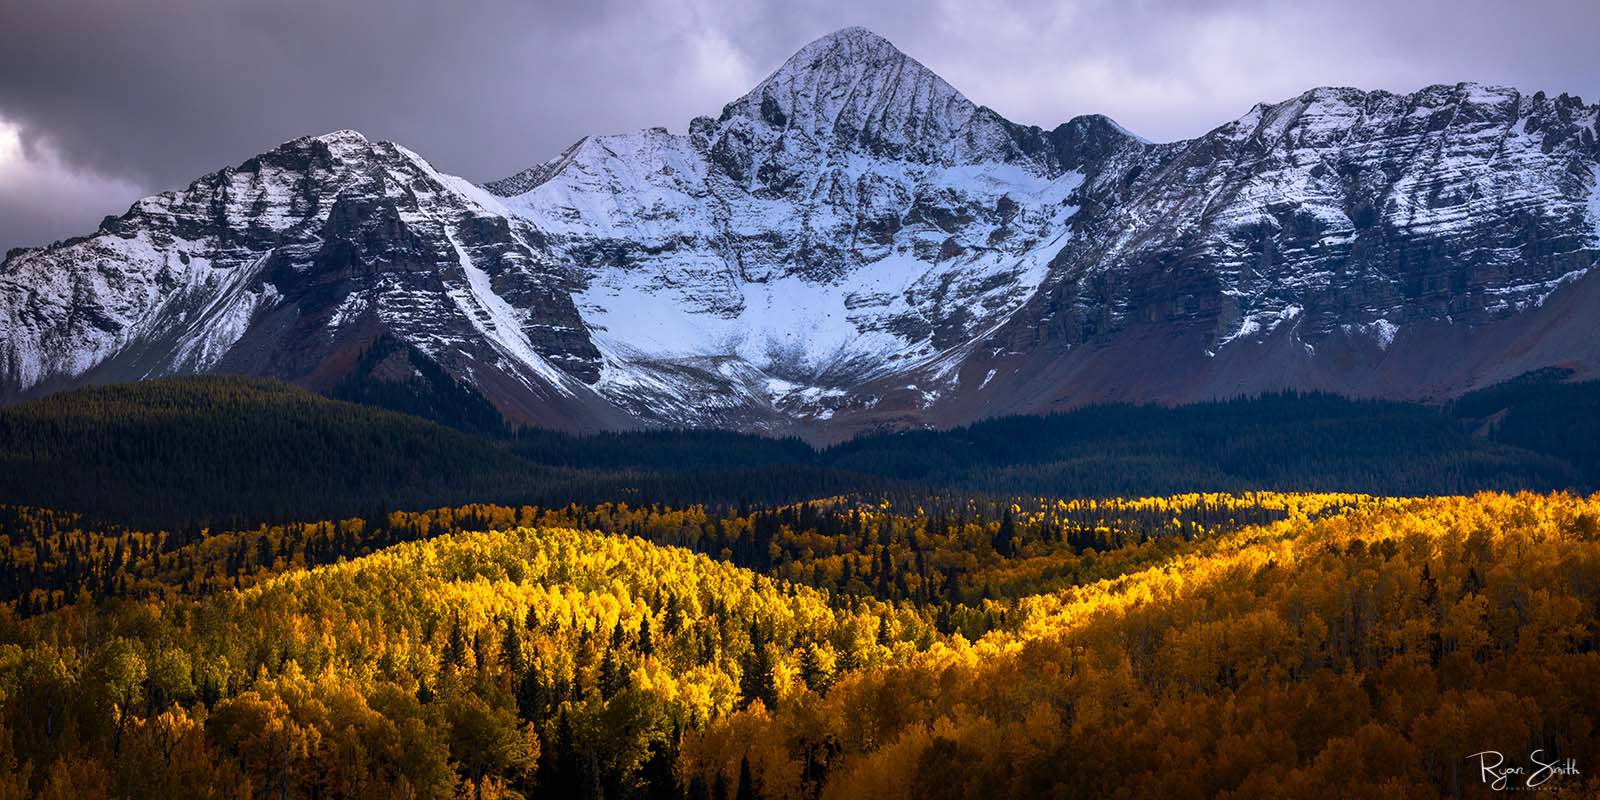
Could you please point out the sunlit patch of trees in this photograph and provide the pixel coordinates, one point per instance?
(1260, 645)
(1365, 654)
(486, 662)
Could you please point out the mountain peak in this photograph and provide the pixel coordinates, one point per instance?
(342, 135)
(855, 245)
(855, 38)
(342, 144)
(850, 59)
(854, 91)
(342, 140)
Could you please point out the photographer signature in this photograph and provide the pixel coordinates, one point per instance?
(1500, 776)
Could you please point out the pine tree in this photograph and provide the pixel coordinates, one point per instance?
(812, 672)
(697, 789)
(613, 678)
(847, 660)
(756, 680)
(560, 770)
(455, 648)
(511, 646)
(530, 695)
(747, 784)
(674, 620)
(647, 644)
(659, 781)
(1005, 539)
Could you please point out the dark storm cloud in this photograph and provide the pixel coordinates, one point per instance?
(103, 100)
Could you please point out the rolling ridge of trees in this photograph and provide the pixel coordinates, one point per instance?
(944, 550)
(1364, 654)
(1543, 412)
(222, 451)
(1164, 646)
(529, 659)
(243, 600)
(228, 451)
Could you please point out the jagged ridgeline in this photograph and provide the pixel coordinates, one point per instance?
(526, 658)
(854, 245)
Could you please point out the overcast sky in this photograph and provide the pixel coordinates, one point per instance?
(104, 101)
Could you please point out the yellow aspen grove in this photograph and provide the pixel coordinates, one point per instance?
(1154, 646)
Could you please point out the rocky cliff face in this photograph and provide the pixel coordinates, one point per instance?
(290, 265)
(854, 244)
(1409, 246)
(1464, 202)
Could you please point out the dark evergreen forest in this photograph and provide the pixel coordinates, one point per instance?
(229, 450)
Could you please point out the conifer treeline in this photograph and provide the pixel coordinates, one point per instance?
(232, 452)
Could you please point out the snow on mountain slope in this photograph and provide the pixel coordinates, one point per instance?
(854, 244)
(853, 215)
(1594, 198)
(1367, 204)
(171, 257)
(877, 312)
(853, 91)
(281, 266)
(1361, 242)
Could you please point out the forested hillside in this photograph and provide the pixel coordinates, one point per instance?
(1367, 654)
(168, 450)
(1184, 646)
(219, 451)
(231, 587)
(1290, 442)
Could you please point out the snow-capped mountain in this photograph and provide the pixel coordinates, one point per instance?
(854, 244)
(293, 263)
(1410, 246)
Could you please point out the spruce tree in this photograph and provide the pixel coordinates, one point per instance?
(455, 648)
(1005, 539)
(647, 645)
(747, 784)
(511, 646)
(816, 678)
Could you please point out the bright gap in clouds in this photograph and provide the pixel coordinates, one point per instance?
(42, 198)
(10, 146)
